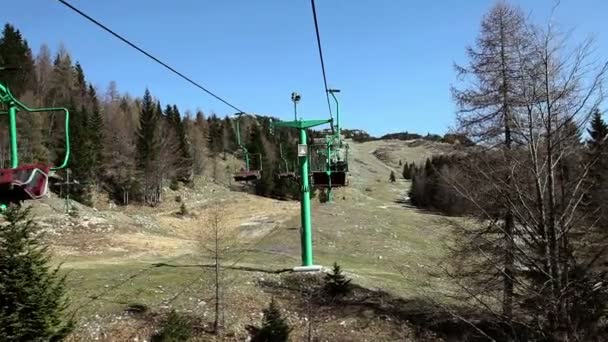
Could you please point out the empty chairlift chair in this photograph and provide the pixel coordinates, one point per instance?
(249, 173)
(24, 183)
(30, 181)
(285, 171)
(333, 175)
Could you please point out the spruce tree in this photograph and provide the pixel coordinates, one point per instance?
(96, 129)
(336, 283)
(147, 135)
(229, 135)
(215, 135)
(408, 170)
(148, 142)
(274, 327)
(15, 52)
(80, 86)
(598, 134)
(32, 293)
(184, 161)
(597, 144)
(80, 162)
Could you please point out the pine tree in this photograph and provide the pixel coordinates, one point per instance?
(96, 129)
(80, 85)
(408, 170)
(184, 161)
(81, 160)
(198, 132)
(597, 196)
(336, 283)
(215, 137)
(274, 327)
(598, 134)
(15, 52)
(148, 144)
(229, 136)
(32, 293)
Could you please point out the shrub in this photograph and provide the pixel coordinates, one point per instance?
(336, 283)
(176, 328)
(73, 212)
(274, 327)
(174, 185)
(183, 210)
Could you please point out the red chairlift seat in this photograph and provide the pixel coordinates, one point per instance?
(24, 183)
(247, 175)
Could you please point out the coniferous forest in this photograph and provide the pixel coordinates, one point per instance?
(128, 146)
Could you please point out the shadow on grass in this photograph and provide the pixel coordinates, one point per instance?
(428, 320)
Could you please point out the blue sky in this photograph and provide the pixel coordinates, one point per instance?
(392, 59)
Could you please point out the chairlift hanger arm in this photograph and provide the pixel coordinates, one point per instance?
(7, 98)
(302, 124)
(239, 142)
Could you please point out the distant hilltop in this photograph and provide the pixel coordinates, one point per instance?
(360, 135)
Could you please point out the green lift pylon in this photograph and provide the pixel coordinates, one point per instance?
(305, 215)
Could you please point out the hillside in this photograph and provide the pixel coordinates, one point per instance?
(382, 242)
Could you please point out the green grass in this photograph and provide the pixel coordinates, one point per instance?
(108, 289)
(394, 248)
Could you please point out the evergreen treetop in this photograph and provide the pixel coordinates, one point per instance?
(32, 293)
(336, 283)
(274, 326)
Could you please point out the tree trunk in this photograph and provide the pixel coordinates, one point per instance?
(216, 325)
(556, 318)
(509, 245)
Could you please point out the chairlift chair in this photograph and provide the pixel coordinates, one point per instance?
(25, 182)
(249, 174)
(285, 173)
(324, 175)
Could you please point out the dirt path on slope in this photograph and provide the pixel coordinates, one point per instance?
(128, 235)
